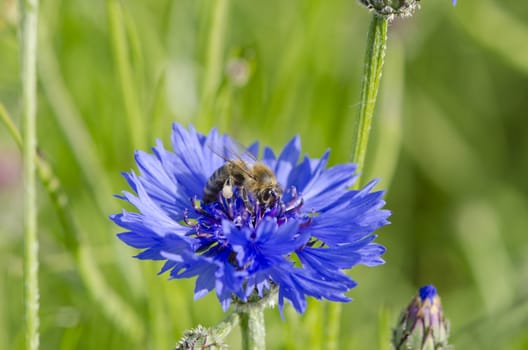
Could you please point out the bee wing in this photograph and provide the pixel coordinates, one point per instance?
(231, 150)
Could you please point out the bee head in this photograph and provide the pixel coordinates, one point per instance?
(268, 196)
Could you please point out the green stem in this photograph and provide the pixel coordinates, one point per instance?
(222, 329)
(128, 87)
(52, 185)
(29, 26)
(214, 63)
(81, 144)
(253, 328)
(11, 127)
(69, 119)
(315, 319)
(375, 53)
(331, 338)
(114, 307)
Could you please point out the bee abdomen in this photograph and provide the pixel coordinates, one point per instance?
(215, 184)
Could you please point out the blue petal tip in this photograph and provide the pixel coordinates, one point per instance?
(428, 291)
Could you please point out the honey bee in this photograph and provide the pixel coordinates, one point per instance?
(257, 180)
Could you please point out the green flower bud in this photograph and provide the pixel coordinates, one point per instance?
(391, 8)
(422, 325)
(200, 338)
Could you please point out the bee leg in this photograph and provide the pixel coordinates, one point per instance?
(245, 197)
(227, 190)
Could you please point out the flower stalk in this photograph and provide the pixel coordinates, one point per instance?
(374, 56)
(253, 328)
(29, 21)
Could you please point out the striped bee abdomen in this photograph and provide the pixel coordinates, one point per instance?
(226, 175)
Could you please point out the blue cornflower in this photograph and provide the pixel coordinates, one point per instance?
(299, 244)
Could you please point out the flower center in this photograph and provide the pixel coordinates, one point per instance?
(244, 211)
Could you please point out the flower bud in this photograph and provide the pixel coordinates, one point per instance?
(422, 325)
(391, 8)
(200, 338)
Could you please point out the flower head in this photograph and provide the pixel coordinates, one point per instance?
(392, 8)
(422, 325)
(240, 244)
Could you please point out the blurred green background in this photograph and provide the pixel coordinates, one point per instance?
(449, 143)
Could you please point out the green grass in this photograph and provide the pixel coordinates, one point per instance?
(449, 142)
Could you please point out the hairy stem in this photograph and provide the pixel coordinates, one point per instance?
(253, 328)
(375, 53)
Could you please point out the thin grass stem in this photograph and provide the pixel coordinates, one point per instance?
(28, 54)
(214, 63)
(114, 307)
(134, 118)
(11, 127)
(70, 120)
